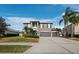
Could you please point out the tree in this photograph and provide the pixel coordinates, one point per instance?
(26, 29)
(70, 16)
(30, 31)
(2, 26)
(74, 20)
(34, 32)
(65, 19)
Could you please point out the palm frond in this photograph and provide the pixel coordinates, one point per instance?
(60, 21)
(74, 19)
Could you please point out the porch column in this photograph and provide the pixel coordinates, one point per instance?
(51, 33)
(31, 24)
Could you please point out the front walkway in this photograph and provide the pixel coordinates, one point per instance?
(55, 45)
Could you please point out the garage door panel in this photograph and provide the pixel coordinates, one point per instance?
(55, 34)
(45, 34)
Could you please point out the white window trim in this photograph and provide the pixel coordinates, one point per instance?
(49, 25)
(41, 25)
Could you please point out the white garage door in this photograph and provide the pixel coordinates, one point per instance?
(45, 34)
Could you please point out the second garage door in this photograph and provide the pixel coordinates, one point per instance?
(45, 34)
(55, 34)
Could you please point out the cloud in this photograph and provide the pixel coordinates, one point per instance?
(56, 21)
(17, 22)
(22, 19)
(73, 6)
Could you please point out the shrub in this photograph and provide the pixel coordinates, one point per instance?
(77, 36)
(30, 36)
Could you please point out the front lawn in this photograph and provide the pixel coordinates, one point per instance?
(13, 48)
(18, 39)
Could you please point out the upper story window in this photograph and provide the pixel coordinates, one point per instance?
(41, 26)
(34, 24)
(29, 25)
(49, 25)
(45, 25)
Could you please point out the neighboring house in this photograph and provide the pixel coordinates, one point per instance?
(56, 32)
(43, 29)
(69, 29)
(11, 32)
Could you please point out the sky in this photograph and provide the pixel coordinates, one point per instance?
(17, 14)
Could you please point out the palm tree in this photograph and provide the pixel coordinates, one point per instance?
(72, 17)
(26, 29)
(65, 19)
(30, 30)
(74, 20)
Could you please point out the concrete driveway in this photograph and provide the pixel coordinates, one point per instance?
(54, 45)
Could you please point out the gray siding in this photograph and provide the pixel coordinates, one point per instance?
(45, 34)
(44, 29)
(55, 34)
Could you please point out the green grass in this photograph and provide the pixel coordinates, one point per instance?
(77, 39)
(18, 39)
(73, 38)
(13, 48)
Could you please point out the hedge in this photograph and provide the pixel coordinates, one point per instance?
(30, 36)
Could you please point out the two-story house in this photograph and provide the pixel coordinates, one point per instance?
(69, 30)
(42, 28)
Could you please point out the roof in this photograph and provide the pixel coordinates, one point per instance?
(26, 23)
(46, 23)
(13, 30)
(39, 22)
(56, 29)
(34, 21)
